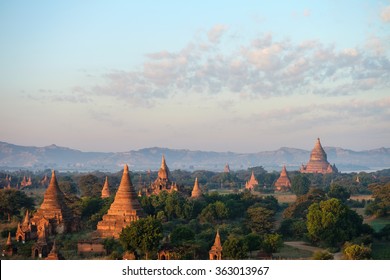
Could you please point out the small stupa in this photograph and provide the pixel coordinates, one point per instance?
(106, 189)
(215, 252)
(124, 210)
(283, 183)
(196, 191)
(318, 162)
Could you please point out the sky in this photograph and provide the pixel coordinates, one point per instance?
(240, 76)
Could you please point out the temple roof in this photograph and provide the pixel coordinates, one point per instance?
(163, 173)
(318, 153)
(53, 198)
(26, 220)
(125, 197)
(217, 242)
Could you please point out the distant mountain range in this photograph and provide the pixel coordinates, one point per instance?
(54, 157)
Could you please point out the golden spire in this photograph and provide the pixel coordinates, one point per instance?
(217, 242)
(163, 173)
(9, 241)
(26, 220)
(196, 191)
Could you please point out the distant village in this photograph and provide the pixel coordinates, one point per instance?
(188, 223)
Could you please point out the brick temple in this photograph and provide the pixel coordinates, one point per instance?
(124, 210)
(283, 183)
(318, 162)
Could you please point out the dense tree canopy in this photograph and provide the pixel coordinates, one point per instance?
(332, 223)
(13, 201)
(143, 235)
(300, 184)
(381, 205)
(260, 220)
(339, 192)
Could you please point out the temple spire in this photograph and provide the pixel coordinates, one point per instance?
(26, 220)
(163, 173)
(217, 242)
(9, 241)
(196, 191)
(106, 189)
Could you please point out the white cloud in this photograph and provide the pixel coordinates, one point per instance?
(216, 33)
(385, 14)
(263, 67)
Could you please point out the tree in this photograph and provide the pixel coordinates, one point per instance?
(300, 207)
(214, 212)
(143, 235)
(67, 185)
(322, 255)
(332, 222)
(252, 242)
(300, 184)
(381, 205)
(272, 243)
(339, 192)
(260, 219)
(12, 201)
(90, 186)
(181, 234)
(356, 252)
(234, 248)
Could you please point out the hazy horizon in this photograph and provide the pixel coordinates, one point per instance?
(222, 76)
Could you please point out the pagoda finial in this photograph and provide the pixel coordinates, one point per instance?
(26, 220)
(9, 241)
(217, 241)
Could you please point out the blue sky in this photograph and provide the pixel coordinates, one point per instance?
(241, 76)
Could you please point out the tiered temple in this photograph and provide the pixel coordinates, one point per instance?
(53, 214)
(283, 183)
(215, 252)
(163, 182)
(252, 183)
(106, 189)
(124, 210)
(196, 191)
(318, 162)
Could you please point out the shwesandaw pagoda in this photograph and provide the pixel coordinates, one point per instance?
(318, 162)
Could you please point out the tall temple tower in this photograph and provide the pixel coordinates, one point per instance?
(283, 183)
(124, 210)
(53, 214)
(215, 252)
(318, 162)
(163, 182)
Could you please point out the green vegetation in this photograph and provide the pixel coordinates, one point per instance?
(251, 224)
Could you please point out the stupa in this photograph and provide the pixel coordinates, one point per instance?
(252, 183)
(196, 191)
(283, 183)
(105, 190)
(215, 252)
(53, 212)
(318, 162)
(124, 210)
